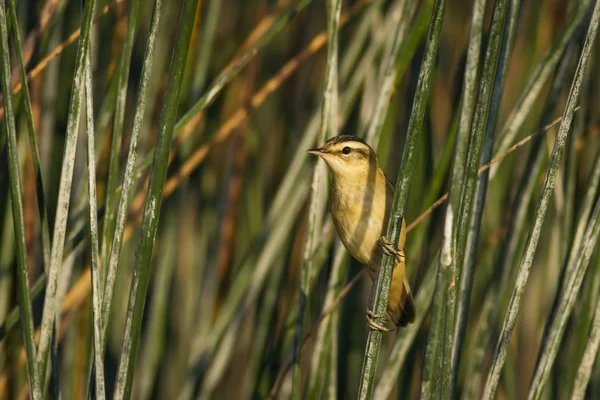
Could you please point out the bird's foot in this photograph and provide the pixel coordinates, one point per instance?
(389, 249)
(371, 316)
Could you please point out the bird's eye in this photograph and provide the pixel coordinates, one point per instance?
(346, 150)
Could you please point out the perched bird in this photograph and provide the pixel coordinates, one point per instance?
(360, 199)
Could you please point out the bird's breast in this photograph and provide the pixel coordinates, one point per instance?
(358, 219)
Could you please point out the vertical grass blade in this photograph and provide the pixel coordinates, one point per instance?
(329, 113)
(93, 225)
(323, 345)
(268, 310)
(438, 360)
(575, 270)
(584, 371)
(205, 45)
(154, 341)
(493, 303)
(464, 126)
(559, 319)
(110, 199)
(64, 191)
(17, 211)
(584, 213)
(415, 127)
(129, 176)
(540, 212)
(139, 285)
(388, 83)
(407, 336)
(542, 73)
(35, 155)
(466, 279)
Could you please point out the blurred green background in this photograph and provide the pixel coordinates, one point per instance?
(221, 316)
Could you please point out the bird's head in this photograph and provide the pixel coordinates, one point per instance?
(347, 155)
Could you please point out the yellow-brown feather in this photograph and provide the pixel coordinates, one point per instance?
(360, 215)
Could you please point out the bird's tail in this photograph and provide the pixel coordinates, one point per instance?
(401, 305)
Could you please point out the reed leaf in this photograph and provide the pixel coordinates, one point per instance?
(494, 303)
(98, 356)
(589, 357)
(35, 154)
(406, 9)
(122, 79)
(574, 272)
(17, 213)
(64, 192)
(438, 364)
(529, 95)
(466, 279)
(540, 212)
(139, 285)
(329, 113)
(407, 336)
(397, 212)
(129, 175)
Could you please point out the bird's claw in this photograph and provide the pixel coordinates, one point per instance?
(389, 249)
(371, 316)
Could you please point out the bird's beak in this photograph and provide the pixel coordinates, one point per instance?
(317, 152)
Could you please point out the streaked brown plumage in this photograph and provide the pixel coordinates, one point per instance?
(360, 199)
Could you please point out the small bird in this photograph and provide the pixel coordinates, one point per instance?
(360, 199)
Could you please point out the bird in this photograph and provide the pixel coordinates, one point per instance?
(360, 200)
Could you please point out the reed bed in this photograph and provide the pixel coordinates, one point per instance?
(163, 233)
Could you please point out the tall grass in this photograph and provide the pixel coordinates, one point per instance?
(202, 262)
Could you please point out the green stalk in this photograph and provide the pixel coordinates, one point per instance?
(329, 114)
(540, 212)
(35, 154)
(438, 359)
(464, 126)
(155, 341)
(356, 45)
(158, 174)
(467, 198)
(388, 83)
(129, 177)
(584, 214)
(95, 272)
(110, 199)
(322, 343)
(584, 371)
(552, 340)
(415, 126)
(205, 45)
(17, 211)
(64, 192)
(406, 336)
(529, 95)
(493, 303)
(574, 272)
(267, 312)
(7, 238)
(466, 280)
(585, 320)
